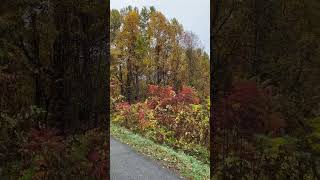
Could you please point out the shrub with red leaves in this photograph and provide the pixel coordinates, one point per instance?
(188, 95)
(43, 138)
(161, 92)
(100, 170)
(166, 96)
(153, 89)
(85, 155)
(248, 107)
(177, 119)
(99, 164)
(152, 102)
(93, 155)
(122, 106)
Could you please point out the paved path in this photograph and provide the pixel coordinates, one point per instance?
(125, 164)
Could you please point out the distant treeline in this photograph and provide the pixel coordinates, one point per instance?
(147, 48)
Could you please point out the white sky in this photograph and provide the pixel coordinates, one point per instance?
(194, 15)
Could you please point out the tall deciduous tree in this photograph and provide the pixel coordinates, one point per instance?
(150, 49)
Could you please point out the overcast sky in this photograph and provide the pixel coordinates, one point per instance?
(194, 15)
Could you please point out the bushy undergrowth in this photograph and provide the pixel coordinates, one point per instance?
(252, 141)
(43, 153)
(178, 120)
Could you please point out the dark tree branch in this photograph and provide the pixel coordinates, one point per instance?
(226, 18)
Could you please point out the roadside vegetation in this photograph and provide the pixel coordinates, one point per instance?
(178, 121)
(185, 165)
(159, 81)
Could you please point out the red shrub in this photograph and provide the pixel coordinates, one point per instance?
(166, 96)
(47, 137)
(188, 95)
(141, 115)
(161, 92)
(247, 106)
(153, 89)
(167, 101)
(93, 155)
(122, 106)
(99, 171)
(152, 103)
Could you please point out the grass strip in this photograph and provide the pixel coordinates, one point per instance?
(187, 166)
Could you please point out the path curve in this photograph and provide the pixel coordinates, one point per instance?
(126, 164)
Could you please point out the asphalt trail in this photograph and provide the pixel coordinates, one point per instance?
(126, 164)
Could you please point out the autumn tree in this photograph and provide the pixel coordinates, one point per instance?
(149, 49)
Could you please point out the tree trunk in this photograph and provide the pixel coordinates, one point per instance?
(215, 5)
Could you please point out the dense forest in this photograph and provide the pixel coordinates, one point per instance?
(265, 71)
(53, 89)
(265, 81)
(159, 80)
(147, 48)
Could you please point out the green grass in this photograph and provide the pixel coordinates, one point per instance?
(187, 166)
